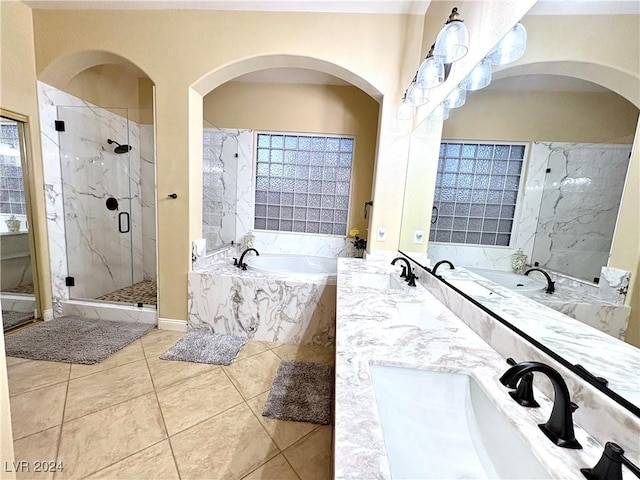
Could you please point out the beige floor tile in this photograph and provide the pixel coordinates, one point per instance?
(275, 469)
(168, 372)
(16, 360)
(37, 410)
(305, 353)
(128, 354)
(196, 399)
(254, 375)
(38, 450)
(153, 462)
(157, 342)
(252, 347)
(227, 446)
(32, 374)
(273, 344)
(284, 433)
(311, 456)
(103, 438)
(103, 389)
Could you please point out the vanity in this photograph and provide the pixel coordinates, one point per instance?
(402, 357)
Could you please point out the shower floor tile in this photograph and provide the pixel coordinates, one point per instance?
(145, 292)
(193, 423)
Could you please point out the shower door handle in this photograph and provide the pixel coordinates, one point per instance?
(127, 227)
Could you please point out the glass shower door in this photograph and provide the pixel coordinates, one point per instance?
(96, 171)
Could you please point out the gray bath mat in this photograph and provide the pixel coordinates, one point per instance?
(204, 346)
(12, 318)
(74, 340)
(302, 392)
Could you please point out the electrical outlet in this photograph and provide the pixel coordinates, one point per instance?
(382, 234)
(418, 236)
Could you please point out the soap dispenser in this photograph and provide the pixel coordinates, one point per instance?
(519, 262)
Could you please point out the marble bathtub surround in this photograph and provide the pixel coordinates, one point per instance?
(601, 354)
(276, 308)
(373, 327)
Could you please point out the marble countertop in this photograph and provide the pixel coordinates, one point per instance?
(600, 353)
(411, 328)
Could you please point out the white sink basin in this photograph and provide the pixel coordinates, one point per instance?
(443, 425)
(377, 281)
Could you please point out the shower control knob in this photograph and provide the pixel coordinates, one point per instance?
(173, 195)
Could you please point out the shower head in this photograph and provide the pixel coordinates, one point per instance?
(120, 148)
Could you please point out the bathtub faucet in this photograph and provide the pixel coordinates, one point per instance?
(551, 285)
(435, 267)
(241, 264)
(559, 427)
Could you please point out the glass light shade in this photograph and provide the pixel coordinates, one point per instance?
(452, 42)
(430, 73)
(404, 110)
(440, 113)
(479, 77)
(456, 98)
(511, 47)
(416, 95)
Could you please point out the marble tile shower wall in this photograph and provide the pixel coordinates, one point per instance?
(80, 172)
(579, 207)
(228, 188)
(563, 235)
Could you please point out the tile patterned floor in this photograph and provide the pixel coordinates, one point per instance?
(134, 416)
(144, 292)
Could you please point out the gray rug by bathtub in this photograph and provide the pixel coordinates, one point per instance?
(11, 318)
(72, 339)
(302, 392)
(204, 346)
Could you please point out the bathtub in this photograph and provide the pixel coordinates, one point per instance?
(279, 298)
(518, 283)
(292, 264)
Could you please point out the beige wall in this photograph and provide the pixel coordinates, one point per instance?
(328, 109)
(6, 435)
(18, 95)
(548, 116)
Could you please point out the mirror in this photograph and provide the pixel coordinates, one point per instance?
(17, 288)
(572, 138)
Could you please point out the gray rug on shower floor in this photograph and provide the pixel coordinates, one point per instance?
(73, 339)
(204, 346)
(302, 392)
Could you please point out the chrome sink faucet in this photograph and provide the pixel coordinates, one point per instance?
(559, 427)
(240, 263)
(551, 285)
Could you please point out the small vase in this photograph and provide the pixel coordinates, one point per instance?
(359, 253)
(519, 262)
(13, 224)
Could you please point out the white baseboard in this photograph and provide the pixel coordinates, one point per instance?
(47, 314)
(172, 324)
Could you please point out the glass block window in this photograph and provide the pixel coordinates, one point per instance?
(11, 185)
(476, 192)
(303, 183)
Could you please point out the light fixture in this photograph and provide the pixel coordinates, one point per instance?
(479, 77)
(404, 110)
(452, 42)
(431, 72)
(440, 113)
(456, 98)
(511, 47)
(417, 95)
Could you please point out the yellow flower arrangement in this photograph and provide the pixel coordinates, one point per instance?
(359, 243)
